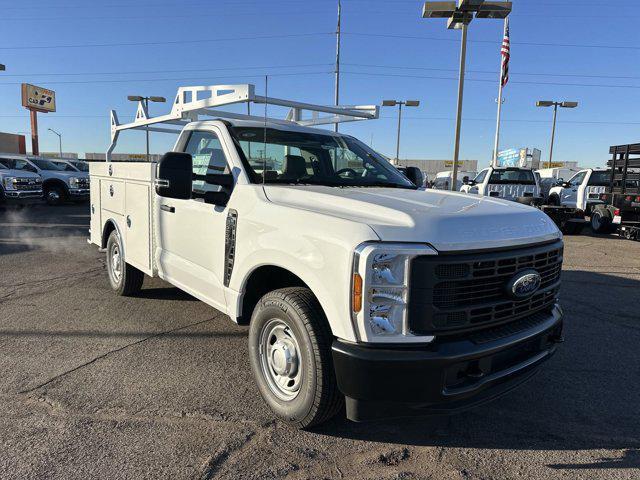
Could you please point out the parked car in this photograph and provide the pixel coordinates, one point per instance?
(442, 180)
(357, 287)
(81, 165)
(61, 181)
(522, 185)
(582, 190)
(18, 185)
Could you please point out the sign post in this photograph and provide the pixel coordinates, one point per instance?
(37, 99)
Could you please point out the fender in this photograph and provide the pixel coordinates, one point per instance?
(57, 182)
(105, 236)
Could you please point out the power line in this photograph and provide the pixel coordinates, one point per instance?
(492, 42)
(407, 67)
(493, 81)
(129, 80)
(168, 42)
(130, 72)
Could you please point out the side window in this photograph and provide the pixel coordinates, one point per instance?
(577, 178)
(208, 158)
(23, 165)
(481, 176)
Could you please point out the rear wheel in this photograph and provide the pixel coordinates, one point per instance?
(124, 279)
(290, 353)
(601, 220)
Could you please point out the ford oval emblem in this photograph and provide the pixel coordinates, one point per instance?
(524, 284)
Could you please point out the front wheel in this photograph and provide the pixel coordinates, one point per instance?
(124, 279)
(554, 200)
(54, 195)
(290, 353)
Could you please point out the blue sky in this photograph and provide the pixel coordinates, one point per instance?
(561, 50)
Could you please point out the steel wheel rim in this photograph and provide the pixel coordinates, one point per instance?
(115, 263)
(280, 359)
(53, 195)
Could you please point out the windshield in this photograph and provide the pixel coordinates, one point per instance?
(600, 179)
(514, 177)
(48, 164)
(83, 167)
(290, 157)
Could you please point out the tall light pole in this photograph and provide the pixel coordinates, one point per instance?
(459, 15)
(555, 105)
(59, 140)
(145, 102)
(400, 103)
(337, 69)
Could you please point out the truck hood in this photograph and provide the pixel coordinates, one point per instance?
(10, 172)
(448, 221)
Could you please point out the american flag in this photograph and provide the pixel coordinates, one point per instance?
(505, 51)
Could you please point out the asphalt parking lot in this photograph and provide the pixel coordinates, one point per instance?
(98, 386)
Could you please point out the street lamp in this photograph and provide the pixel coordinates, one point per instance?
(145, 101)
(400, 103)
(459, 15)
(59, 140)
(555, 105)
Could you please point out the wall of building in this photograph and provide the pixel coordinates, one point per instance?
(11, 143)
(57, 155)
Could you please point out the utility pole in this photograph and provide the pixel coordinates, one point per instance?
(337, 69)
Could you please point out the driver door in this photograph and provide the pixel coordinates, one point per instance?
(192, 232)
(569, 195)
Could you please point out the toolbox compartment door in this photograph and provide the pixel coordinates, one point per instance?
(137, 226)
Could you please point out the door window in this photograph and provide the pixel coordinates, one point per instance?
(577, 178)
(481, 176)
(208, 158)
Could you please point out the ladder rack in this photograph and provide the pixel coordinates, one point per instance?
(192, 102)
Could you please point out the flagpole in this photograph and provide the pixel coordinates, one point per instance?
(494, 161)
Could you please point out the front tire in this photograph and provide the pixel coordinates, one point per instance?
(290, 353)
(54, 195)
(125, 280)
(554, 200)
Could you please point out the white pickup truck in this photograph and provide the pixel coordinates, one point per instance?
(356, 285)
(581, 191)
(508, 183)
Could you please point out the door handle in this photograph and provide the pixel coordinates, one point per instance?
(167, 208)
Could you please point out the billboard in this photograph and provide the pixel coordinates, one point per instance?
(38, 98)
(509, 157)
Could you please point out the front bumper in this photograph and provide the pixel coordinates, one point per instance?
(22, 194)
(79, 192)
(447, 375)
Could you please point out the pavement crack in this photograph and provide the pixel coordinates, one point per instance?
(110, 352)
(218, 459)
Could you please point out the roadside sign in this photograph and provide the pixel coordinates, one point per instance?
(38, 98)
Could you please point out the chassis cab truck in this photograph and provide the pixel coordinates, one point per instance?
(509, 183)
(356, 286)
(581, 191)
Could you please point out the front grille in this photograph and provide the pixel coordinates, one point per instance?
(453, 293)
(83, 183)
(28, 184)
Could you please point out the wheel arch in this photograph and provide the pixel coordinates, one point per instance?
(109, 226)
(261, 280)
(49, 182)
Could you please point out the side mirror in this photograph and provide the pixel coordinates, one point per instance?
(465, 179)
(174, 175)
(415, 175)
(566, 184)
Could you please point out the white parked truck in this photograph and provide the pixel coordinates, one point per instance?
(581, 191)
(508, 183)
(355, 285)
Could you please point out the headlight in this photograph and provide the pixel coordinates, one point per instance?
(74, 181)
(9, 183)
(380, 293)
